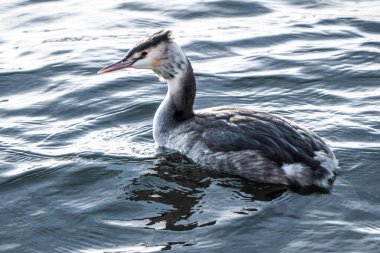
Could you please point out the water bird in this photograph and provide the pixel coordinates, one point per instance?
(252, 144)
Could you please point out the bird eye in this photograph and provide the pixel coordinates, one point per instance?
(144, 53)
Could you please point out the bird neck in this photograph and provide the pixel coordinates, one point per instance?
(177, 105)
(181, 93)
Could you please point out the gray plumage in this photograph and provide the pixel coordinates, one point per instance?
(251, 144)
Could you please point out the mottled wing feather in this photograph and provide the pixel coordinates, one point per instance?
(229, 129)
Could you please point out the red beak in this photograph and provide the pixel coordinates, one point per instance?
(116, 66)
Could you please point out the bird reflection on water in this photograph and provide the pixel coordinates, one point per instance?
(178, 185)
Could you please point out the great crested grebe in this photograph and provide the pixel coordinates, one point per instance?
(254, 145)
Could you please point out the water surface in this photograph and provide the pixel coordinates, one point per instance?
(79, 171)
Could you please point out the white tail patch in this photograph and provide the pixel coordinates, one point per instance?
(299, 172)
(304, 176)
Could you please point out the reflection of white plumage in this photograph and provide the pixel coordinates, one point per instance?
(255, 145)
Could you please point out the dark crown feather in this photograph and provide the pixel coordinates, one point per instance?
(150, 41)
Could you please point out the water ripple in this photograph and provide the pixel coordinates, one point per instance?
(79, 171)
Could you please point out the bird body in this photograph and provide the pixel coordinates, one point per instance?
(255, 145)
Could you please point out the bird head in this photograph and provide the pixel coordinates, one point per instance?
(157, 52)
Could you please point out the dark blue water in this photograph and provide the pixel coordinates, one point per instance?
(79, 171)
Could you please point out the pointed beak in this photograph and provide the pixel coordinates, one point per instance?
(116, 66)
